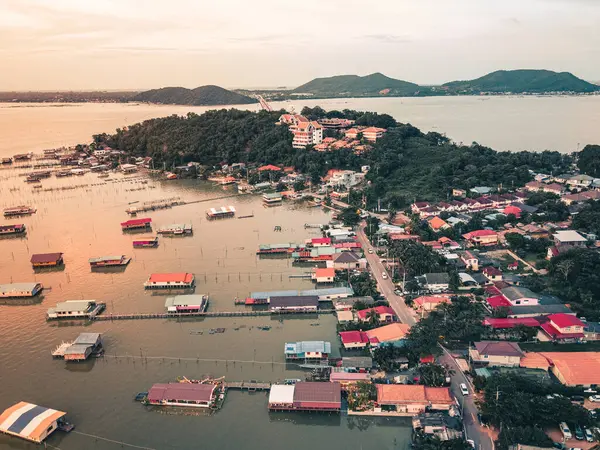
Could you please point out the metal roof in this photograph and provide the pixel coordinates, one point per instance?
(317, 392)
(73, 305)
(28, 421)
(87, 339)
(308, 347)
(181, 391)
(281, 394)
(77, 349)
(538, 309)
(293, 300)
(17, 287)
(318, 292)
(185, 300)
(569, 236)
(364, 362)
(105, 258)
(516, 292)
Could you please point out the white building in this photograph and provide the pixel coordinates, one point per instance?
(75, 309)
(347, 178)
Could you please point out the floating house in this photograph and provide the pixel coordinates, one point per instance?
(85, 345)
(17, 290)
(220, 213)
(275, 249)
(47, 259)
(306, 396)
(186, 303)
(108, 261)
(303, 303)
(191, 395)
(18, 211)
(146, 243)
(170, 281)
(307, 350)
(326, 275)
(30, 422)
(272, 198)
(136, 224)
(323, 294)
(76, 309)
(12, 229)
(175, 229)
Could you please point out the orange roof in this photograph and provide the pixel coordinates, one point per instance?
(323, 273)
(374, 130)
(436, 223)
(575, 368)
(432, 299)
(268, 167)
(182, 277)
(390, 394)
(387, 333)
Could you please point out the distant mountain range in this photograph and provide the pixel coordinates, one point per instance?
(502, 81)
(201, 96)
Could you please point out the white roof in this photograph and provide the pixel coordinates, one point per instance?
(17, 287)
(184, 300)
(466, 278)
(282, 393)
(569, 236)
(73, 305)
(345, 316)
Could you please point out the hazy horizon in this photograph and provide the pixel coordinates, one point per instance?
(60, 45)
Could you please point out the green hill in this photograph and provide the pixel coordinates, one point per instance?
(201, 96)
(354, 85)
(519, 81)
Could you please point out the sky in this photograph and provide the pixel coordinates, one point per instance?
(143, 44)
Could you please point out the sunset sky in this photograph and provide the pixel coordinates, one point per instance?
(139, 44)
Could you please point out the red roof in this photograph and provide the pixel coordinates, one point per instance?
(323, 240)
(268, 167)
(316, 393)
(512, 210)
(351, 337)
(427, 359)
(327, 272)
(362, 314)
(499, 323)
(565, 320)
(172, 277)
(136, 222)
(181, 391)
(556, 334)
(44, 258)
(479, 233)
(492, 271)
(498, 301)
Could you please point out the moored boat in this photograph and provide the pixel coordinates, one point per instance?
(176, 229)
(219, 213)
(109, 261)
(134, 224)
(146, 243)
(19, 211)
(170, 281)
(12, 229)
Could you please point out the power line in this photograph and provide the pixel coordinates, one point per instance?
(113, 441)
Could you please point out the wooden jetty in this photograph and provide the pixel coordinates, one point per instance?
(241, 313)
(250, 386)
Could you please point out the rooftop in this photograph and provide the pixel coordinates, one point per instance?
(181, 391)
(351, 337)
(281, 394)
(317, 392)
(391, 394)
(73, 305)
(498, 348)
(328, 272)
(565, 320)
(364, 362)
(28, 421)
(293, 300)
(388, 333)
(565, 236)
(171, 277)
(308, 347)
(185, 300)
(41, 258)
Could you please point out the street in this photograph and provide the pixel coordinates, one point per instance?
(473, 429)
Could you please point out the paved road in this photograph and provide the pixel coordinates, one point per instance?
(473, 429)
(386, 287)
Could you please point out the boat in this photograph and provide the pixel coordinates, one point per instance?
(23, 157)
(141, 396)
(146, 243)
(18, 211)
(136, 224)
(109, 261)
(175, 229)
(63, 173)
(6, 161)
(171, 176)
(170, 281)
(103, 175)
(32, 179)
(12, 229)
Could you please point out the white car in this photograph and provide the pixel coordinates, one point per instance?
(384, 275)
(370, 251)
(588, 435)
(471, 442)
(594, 398)
(464, 390)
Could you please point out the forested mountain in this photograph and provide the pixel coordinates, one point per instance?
(356, 86)
(519, 81)
(201, 96)
(406, 164)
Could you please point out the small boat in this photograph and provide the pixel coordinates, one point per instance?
(31, 179)
(103, 175)
(18, 211)
(108, 261)
(7, 161)
(141, 396)
(65, 426)
(146, 243)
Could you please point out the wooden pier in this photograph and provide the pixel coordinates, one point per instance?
(240, 313)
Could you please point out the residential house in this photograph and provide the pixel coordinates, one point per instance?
(293, 303)
(568, 238)
(481, 238)
(428, 303)
(496, 353)
(574, 369)
(372, 133)
(345, 315)
(562, 328)
(580, 181)
(437, 224)
(517, 295)
(591, 331)
(345, 261)
(354, 339)
(492, 273)
(325, 275)
(392, 334)
(413, 399)
(512, 209)
(435, 282)
(481, 190)
(347, 178)
(471, 261)
(385, 314)
(346, 304)
(354, 364)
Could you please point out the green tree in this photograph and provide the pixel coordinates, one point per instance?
(349, 216)
(588, 160)
(433, 374)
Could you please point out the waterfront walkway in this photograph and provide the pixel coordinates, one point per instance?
(240, 313)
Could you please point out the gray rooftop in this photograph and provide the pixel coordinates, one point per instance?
(498, 348)
(357, 361)
(516, 292)
(76, 349)
(73, 305)
(538, 309)
(184, 300)
(17, 287)
(319, 292)
(308, 346)
(87, 339)
(437, 278)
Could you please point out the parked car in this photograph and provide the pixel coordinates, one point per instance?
(370, 251)
(579, 433)
(564, 429)
(398, 292)
(384, 275)
(464, 389)
(471, 442)
(559, 445)
(594, 398)
(578, 399)
(588, 435)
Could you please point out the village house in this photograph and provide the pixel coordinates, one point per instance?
(345, 261)
(492, 273)
(385, 314)
(437, 224)
(326, 275)
(392, 334)
(346, 178)
(470, 260)
(565, 240)
(580, 181)
(354, 339)
(414, 399)
(428, 303)
(496, 353)
(373, 133)
(481, 238)
(562, 328)
(574, 369)
(435, 282)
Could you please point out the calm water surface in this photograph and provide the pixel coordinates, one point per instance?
(504, 123)
(98, 394)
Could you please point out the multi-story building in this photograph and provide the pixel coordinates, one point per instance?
(305, 132)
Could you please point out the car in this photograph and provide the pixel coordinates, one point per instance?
(371, 251)
(588, 435)
(471, 442)
(559, 445)
(464, 390)
(579, 433)
(578, 399)
(594, 398)
(384, 275)
(398, 292)
(564, 429)
(590, 391)
(575, 448)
